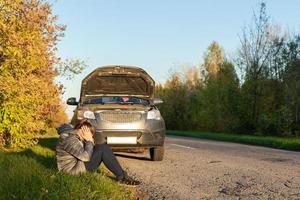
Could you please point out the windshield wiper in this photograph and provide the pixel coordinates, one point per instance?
(126, 103)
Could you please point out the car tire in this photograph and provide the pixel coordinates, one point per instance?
(157, 153)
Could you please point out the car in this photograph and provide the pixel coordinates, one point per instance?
(121, 100)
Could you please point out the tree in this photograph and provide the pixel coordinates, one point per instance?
(29, 97)
(213, 58)
(257, 48)
(290, 58)
(217, 101)
(176, 110)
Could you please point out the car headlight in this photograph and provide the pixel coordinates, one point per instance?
(154, 114)
(85, 114)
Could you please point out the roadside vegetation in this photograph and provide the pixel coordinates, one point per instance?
(287, 143)
(30, 103)
(30, 107)
(254, 92)
(31, 173)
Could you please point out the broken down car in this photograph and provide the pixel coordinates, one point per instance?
(121, 99)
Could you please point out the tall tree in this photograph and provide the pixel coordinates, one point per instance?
(219, 97)
(257, 47)
(291, 81)
(29, 97)
(213, 58)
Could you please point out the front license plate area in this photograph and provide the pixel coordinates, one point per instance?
(121, 140)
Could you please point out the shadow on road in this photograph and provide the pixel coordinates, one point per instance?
(131, 156)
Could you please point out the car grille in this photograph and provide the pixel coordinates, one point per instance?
(120, 117)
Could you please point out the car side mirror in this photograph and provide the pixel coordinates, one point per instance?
(72, 101)
(157, 101)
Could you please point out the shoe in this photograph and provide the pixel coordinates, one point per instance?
(127, 180)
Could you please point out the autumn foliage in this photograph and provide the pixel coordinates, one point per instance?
(29, 97)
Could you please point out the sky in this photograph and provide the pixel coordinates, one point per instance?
(156, 35)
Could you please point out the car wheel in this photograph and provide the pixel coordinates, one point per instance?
(157, 153)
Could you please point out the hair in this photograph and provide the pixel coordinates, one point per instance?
(85, 122)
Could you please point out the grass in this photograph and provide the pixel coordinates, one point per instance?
(32, 174)
(288, 143)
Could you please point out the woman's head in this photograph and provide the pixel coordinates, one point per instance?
(85, 122)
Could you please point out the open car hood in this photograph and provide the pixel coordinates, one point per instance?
(117, 80)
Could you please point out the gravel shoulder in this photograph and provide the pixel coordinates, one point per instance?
(203, 169)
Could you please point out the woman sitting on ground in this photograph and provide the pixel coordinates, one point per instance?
(77, 153)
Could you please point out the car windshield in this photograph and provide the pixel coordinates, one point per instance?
(117, 100)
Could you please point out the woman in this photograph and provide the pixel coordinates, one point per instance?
(77, 153)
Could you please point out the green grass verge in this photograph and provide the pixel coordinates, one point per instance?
(288, 143)
(32, 174)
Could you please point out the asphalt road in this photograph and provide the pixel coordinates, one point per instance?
(203, 169)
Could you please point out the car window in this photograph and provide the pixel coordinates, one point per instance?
(117, 99)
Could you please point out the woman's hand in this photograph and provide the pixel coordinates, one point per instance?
(87, 134)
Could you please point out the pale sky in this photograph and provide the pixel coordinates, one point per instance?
(158, 34)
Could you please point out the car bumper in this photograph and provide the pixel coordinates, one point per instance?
(144, 138)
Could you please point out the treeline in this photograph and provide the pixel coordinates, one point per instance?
(257, 92)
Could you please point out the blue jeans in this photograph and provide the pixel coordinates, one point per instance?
(102, 152)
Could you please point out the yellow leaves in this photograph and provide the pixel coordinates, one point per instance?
(29, 97)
